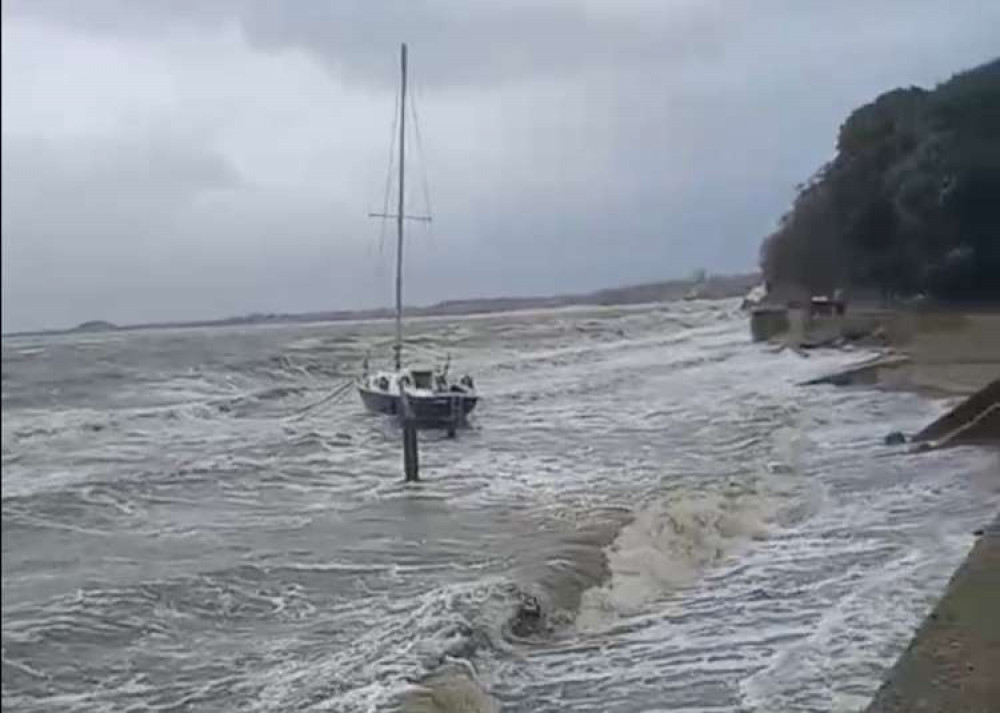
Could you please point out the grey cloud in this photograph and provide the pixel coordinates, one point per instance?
(124, 17)
(480, 43)
(159, 166)
(216, 158)
(460, 42)
(137, 231)
(54, 189)
(82, 219)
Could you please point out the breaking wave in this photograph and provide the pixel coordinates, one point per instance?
(646, 513)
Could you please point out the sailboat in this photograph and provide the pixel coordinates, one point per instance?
(427, 395)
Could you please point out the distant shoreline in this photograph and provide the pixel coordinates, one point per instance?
(712, 287)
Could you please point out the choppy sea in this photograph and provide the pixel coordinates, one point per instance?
(189, 525)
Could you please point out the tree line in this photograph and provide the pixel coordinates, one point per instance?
(910, 204)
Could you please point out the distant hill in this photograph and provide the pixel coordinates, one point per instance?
(702, 286)
(96, 325)
(708, 287)
(911, 202)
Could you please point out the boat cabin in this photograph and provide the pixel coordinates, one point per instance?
(422, 379)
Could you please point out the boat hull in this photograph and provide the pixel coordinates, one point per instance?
(433, 411)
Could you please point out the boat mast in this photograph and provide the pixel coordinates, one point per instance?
(399, 212)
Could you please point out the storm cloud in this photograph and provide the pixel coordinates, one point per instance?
(181, 160)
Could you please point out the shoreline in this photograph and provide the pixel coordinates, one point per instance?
(712, 287)
(950, 664)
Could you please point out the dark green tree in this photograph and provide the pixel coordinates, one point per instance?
(911, 202)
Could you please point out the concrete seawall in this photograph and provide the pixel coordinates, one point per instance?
(953, 663)
(975, 420)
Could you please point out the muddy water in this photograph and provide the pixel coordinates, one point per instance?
(185, 529)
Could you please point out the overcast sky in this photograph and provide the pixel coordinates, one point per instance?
(171, 159)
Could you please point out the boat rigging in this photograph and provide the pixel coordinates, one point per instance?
(430, 395)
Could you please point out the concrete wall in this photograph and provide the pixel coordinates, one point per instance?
(768, 322)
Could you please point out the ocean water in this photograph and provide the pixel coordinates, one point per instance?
(189, 525)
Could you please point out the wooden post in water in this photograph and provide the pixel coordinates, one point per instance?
(411, 456)
(454, 415)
